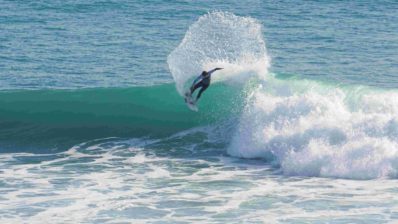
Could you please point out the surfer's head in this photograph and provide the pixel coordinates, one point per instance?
(204, 73)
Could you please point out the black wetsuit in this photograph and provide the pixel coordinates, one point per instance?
(204, 83)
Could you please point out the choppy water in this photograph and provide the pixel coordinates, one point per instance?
(300, 127)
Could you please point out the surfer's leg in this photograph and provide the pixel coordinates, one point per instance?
(199, 84)
(204, 87)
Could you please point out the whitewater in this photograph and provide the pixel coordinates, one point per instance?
(265, 146)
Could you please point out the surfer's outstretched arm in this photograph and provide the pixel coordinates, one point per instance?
(213, 70)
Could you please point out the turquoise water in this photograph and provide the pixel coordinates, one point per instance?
(301, 126)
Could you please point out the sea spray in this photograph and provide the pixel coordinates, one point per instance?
(220, 39)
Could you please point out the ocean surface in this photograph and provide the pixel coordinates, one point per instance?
(301, 125)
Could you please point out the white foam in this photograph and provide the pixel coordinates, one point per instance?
(138, 183)
(317, 130)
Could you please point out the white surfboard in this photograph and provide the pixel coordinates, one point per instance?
(190, 102)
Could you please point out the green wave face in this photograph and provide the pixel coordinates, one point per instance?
(57, 119)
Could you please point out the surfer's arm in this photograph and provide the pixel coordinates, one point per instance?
(211, 71)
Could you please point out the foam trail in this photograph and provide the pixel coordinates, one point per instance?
(220, 39)
(311, 129)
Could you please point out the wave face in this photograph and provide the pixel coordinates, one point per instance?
(43, 120)
(220, 39)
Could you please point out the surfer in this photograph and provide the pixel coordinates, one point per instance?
(203, 80)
